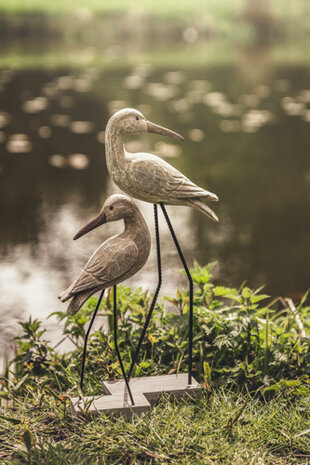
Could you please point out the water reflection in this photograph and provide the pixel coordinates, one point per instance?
(246, 141)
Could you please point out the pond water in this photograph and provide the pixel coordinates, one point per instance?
(245, 119)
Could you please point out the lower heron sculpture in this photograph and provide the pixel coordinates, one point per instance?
(147, 177)
(117, 259)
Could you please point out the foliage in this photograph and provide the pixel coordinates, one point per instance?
(206, 11)
(243, 339)
(251, 354)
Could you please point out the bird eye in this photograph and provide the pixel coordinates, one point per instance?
(137, 117)
(111, 208)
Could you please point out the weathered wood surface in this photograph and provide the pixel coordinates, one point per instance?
(146, 391)
(145, 176)
(118, 258)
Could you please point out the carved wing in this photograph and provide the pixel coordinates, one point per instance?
(109, 262)
(160, 179)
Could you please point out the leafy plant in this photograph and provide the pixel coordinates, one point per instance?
(239, 336)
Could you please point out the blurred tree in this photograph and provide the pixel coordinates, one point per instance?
(258, 14)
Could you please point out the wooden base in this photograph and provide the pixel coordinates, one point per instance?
(146, 391)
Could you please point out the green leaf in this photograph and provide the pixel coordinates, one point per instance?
(144, 364)
(246, 293)
(258, 298)
(207, 372)
(28, 439)
(220, 291)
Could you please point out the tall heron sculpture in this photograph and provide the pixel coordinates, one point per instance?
(147, 177)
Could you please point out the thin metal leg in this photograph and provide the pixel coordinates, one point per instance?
(135, 357)
(191, 288)
(116, 347)
(86, 338)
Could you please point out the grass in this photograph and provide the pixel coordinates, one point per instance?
(224, 429)
(251, 354)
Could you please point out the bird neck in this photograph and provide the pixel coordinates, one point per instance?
(135, 224)
(115, 150)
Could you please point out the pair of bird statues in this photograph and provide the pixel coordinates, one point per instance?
(145, 177)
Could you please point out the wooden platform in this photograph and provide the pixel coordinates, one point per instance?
(146, 391)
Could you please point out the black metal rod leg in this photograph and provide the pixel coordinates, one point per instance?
(136, 353)
(86, 338)
(116, 347)
(191, 288)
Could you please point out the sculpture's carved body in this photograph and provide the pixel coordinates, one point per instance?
(116, 259)
(146, 176)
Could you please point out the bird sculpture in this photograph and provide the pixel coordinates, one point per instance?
(115, 260)
(147, 177)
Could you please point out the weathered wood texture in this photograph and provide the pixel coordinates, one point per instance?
(118, 258)
(145, 176)
(146, 392)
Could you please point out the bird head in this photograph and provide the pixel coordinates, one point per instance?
(116, 207)
(131, 121)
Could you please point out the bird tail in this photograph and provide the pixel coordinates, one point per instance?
(78, 300)
(65, 295)
(199, 205)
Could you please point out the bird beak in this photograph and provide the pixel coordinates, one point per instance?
(163, 131)
(100, 219)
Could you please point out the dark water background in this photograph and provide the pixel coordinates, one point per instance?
(245, 118)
